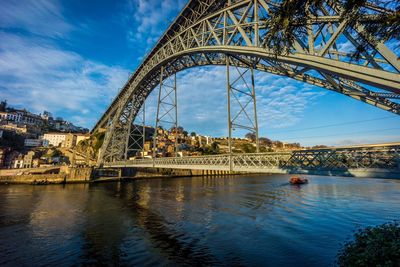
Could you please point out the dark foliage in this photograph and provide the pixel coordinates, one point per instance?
(12, 139)
(372, 246)
(384, 27)
(288, 20)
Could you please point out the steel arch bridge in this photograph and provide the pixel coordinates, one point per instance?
(232, 33)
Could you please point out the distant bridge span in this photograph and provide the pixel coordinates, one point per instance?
(232, 33)
(375, 161)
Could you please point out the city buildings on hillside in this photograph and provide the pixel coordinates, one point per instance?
(21, 129)
(14, 119)
(21, 117)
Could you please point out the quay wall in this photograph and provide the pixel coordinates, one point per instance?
(136, 173)
(65, 174)
(33, 179)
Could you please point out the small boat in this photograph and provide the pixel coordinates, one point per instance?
(297, 180)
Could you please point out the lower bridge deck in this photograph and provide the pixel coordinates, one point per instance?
(378, 161)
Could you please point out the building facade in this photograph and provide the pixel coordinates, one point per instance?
(21, 117)
(33, 142)
(54, 139)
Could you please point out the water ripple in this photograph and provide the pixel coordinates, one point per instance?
(219, 221)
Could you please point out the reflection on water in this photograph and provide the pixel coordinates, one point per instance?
(246, 220)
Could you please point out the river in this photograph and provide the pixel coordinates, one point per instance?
(252, 220)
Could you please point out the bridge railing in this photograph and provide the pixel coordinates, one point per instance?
(379, 157)
(260, 160)
(210, 160)
(384, 157)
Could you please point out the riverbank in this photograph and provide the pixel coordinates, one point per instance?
(149, 173)
(66, 174)
(46, 175)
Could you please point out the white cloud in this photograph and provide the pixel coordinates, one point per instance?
(151, 18)
(39, 76)
(41, 17)
(202, 101)
(352, 139)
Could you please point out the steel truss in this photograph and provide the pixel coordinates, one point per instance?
(136, 134)
(242, 110)
(167, 108)
(384, 157)
(208, 30)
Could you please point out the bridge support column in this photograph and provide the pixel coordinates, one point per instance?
(167, 108)
(242, 107)
(136, 133)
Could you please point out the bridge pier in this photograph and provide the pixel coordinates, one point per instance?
(167, 107)
(140, 172)
(242, 104)
(136, 134)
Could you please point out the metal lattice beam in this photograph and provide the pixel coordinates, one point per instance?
(370, 159)
(167, 108)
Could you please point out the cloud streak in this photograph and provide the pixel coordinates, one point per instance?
(151, 18)
(202, 101)
(40, 17)
(40, 76)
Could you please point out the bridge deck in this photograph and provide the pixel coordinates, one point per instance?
(359, 161)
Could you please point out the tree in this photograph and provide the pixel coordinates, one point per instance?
(247, 148)
(278, 144)
(372, 246)
(265, 141)
(185, 133)
(214, 148)
(250, 136)
(192, 134)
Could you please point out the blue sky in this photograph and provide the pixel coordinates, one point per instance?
(71, 57)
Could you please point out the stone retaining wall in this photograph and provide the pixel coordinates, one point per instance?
(66, 175)
(34, 179)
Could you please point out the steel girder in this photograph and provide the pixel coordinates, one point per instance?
(242, 106)
(385, 157)
(167, 110)
(207, 31)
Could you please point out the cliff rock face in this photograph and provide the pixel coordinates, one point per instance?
(91, 146)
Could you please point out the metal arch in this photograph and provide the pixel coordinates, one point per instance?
(237, 28)
(202, 59)
(181, 33)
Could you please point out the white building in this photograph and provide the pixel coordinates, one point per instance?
(21, 117)
(54, 139)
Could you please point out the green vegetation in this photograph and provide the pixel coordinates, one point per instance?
(247, 148)
(373, 246)
(210, 150)
(52, 152)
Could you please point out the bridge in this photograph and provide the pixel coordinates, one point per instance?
(233, 33)
(359, 161)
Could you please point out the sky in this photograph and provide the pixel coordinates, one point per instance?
(71, 58)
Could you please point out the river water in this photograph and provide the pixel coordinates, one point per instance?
(238, 220)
